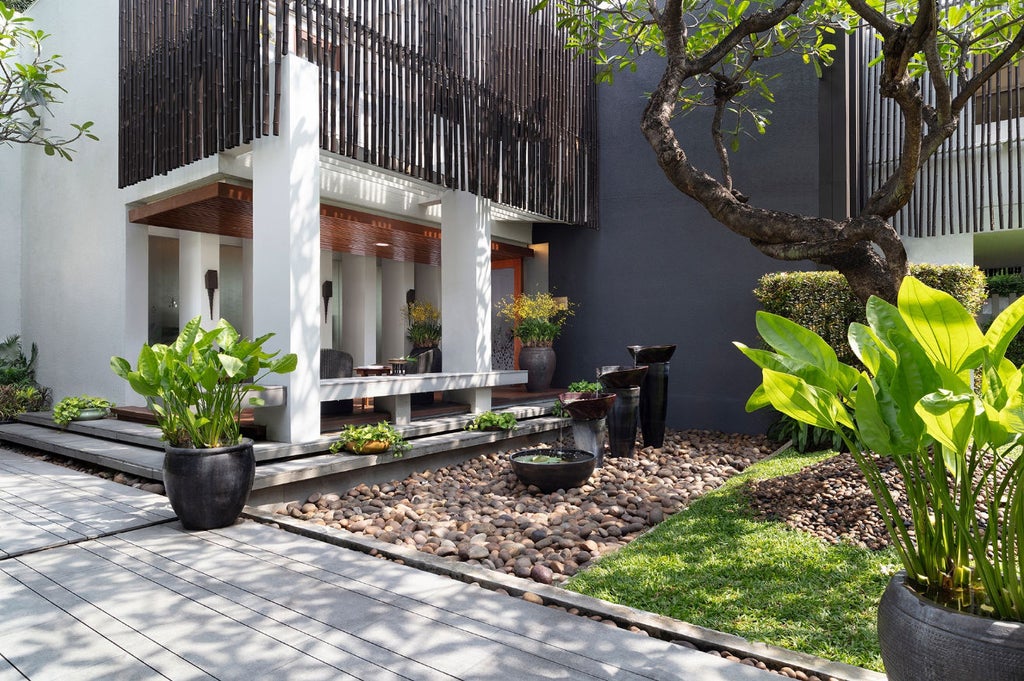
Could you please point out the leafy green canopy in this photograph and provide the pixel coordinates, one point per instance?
(729, 46)
(28, 88)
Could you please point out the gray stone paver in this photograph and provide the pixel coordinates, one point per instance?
(44, 505)
(252, 602)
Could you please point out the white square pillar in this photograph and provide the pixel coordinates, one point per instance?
(286, 251)
(198, 253)
(465, 282)
(397, 278)
(326, 307)
(359, 308)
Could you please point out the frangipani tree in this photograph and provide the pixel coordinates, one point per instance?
(28, 88)
(722, 55)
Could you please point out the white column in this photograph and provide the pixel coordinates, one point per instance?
(136, 288)
(428, 284)
(246, 329)
(198, 253)
(359, 308)
(327, 307)
(286, 251)
(465, 282)
(398, 278)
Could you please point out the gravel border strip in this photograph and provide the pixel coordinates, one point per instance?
(655, 625)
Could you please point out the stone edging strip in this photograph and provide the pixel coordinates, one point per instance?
(661, 627)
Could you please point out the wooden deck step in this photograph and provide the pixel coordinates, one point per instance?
(133, 459)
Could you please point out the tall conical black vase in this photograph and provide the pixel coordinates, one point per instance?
(623, 416)
(654, 391)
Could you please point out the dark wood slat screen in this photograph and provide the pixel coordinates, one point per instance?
(975, 183)
(466, 94)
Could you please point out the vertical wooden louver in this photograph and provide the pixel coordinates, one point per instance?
(975, 182)
(467, 94)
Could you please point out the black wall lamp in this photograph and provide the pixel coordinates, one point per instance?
(211, 286)
(327, 291)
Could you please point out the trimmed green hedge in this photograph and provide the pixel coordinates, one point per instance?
(824, 303)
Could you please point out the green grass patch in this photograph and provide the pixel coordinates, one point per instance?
(714, 565)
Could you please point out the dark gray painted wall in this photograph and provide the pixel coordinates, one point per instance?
(660, 270)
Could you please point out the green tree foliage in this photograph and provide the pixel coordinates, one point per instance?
(722, 56)
(28, 88)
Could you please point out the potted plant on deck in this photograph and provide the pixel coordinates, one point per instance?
(424, 332)
(538, 319)
(80, 408)
(939, 399)
(371, 439)
(196, 388)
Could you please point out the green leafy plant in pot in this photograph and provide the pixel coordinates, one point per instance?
(196, 388)
(957, 450)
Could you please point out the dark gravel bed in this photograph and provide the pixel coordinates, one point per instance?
(830, 500)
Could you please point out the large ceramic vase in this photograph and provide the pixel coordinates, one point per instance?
(654, 391)
(425, 360)
(207, 488)
(624, 414)
(539, 364)
(923, 641)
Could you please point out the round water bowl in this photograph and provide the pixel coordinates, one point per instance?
(553, 469)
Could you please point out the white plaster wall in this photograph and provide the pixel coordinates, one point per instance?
(10, 242)
(74, 237)
(945, 250)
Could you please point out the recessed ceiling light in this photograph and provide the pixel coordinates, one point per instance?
(381, 244)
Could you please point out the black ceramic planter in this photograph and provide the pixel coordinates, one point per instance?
(573, 470)
(923, 641)
(623, 416)
(589, 413)
(654, 391)
(207, 488)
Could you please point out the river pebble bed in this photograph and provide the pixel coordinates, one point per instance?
(479, 513)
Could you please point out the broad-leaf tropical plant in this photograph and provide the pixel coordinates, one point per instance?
(956, 447)
(196, 386)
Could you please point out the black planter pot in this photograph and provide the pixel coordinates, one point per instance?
(924, 641)
(539, 364)
(207, 488)
(425, 361)
(654, 391)
(623, 416)
(589, 412)
(574, 470)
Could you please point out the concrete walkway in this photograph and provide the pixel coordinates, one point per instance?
(253, 602)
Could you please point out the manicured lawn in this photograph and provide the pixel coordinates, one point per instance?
(715, 566)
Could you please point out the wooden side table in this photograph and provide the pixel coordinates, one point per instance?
(371, 370)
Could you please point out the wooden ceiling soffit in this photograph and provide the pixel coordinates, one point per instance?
(226, 209)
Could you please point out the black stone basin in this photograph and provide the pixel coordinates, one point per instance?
(611, 378)
(587, 406)
(573, 469)
(649, 354)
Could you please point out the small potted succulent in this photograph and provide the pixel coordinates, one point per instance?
(80, 408)
(371, 439)
(490, 420)
(196, 387)
(538, 319)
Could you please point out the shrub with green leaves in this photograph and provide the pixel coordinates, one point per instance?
(18, 399)
(15, 367)
(490, 420)
(1006, 285)
(957, 447)
(824, 303)
(70, 408)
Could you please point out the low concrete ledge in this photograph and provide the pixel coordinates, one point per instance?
(332, 389)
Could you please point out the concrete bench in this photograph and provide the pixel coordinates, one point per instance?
(394, 393)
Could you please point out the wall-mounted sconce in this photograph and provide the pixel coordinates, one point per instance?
(211, 286)
(327, 291)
